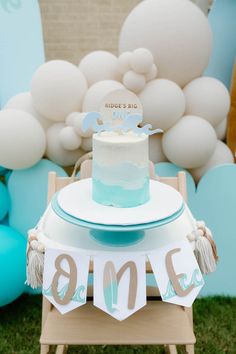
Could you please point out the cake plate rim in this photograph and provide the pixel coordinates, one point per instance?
(115, 228)
(76, 200)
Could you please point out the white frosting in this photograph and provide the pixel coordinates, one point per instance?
(112, 148)
(126, 175)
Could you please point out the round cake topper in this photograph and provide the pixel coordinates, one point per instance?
(119, 104)
(121, 111)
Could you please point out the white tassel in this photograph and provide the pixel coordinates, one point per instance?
(35, 262)
(205, 248)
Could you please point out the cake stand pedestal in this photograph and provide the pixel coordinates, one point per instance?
(156, 323)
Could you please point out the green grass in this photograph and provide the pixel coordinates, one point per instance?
(214, 318)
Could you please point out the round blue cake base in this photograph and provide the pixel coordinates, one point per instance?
(117, 239)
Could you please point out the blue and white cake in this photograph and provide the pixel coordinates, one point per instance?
(120, 169)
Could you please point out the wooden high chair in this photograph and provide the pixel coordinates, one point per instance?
(156, 323)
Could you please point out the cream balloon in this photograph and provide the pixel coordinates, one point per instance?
(124, 61)
(203, 5)
(23, 101)
(221, 129)
(133, 81)
(55, 150)
(70, 118)
(152, 73)
(141, 60)
(190, 142)
(87, 144)
(58, 88)
(208, 98)
(22, 139)
(221, 155)
(163, 103)
(69, 139)
(175, 31)
(156, 153)
(77, 121)
(100, 65)
(97, 92)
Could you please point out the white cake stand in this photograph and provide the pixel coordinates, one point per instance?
(76, 200)
(117, 226)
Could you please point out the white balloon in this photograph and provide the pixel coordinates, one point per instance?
(221, 129)
(133, 81)
(141, 60)
(100, 65)
(70, 118)
(221, 155)
(97, 92)
(23, 101)
(190, 142)
(75, 120)
(203, 5)
(55, 150)
(163, 103)
(87, 144)
(69, 139)
(22, 139)
(156, 153)
(77, 124)
(58, 88)
(175, 31)
(208, 98)
(152, 73)
(124, 62)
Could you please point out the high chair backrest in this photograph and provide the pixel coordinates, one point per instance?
(55, 183)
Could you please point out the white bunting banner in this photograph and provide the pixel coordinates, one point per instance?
(177, 273)
(119, 284)
(65, 279)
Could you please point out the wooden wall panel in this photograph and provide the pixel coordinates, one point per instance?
(73, 28)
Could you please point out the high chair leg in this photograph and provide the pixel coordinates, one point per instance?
(190, 349)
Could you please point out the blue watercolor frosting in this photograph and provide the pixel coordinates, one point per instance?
(118, 196)
(125, 174)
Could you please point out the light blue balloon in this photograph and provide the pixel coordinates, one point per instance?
(7, 175)
(3, 170)
(4, 201)
(30, 291)
(12, 264)
(21, 46)
(223, 24)
(5, 221)
(28, 192)
(214, 202)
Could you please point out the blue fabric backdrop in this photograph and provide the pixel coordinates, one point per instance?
(21, 46)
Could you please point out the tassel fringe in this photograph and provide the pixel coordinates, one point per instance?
(205, 248)
(35, 261)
